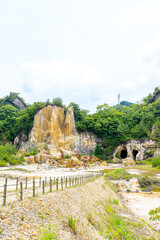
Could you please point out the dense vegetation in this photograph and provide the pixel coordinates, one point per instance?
(135, 121)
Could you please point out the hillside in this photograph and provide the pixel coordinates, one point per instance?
(92, 211)
(134, 121)
(122, 104)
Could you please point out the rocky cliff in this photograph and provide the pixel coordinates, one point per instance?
(135, 149)
(55, 131)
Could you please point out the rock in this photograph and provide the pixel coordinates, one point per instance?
(30, 159)
(22, 151)
(69, 164)
(103, 164)
(116, 160)
(56, 130)
(157, 152)
(94, 159)
(128, 162)
(19, 103)
(20, 140)
(85, 158)
(77, 155)
(134, 149)
(61, 161)
(38, 158)
(75, 161)
(132, 185)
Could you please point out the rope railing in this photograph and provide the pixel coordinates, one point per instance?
(42, 185)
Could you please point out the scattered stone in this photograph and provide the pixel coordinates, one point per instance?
(128, 162)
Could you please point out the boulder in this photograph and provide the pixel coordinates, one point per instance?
(69, 164)
(77, 155)
(38, 158)
(157, 152)
(61, 161)
(22, 151)
(94, 159)
(103, 164)
(116, 160)
(85, 158)
(128, 162)
(75, 161)
(30, 159)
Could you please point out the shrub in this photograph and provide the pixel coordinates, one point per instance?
(156, 161)
(7, 155)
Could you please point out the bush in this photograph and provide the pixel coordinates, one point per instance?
(7, 155)
(156, 161)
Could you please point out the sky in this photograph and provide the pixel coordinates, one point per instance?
(84, 51)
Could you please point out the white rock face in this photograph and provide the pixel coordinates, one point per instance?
(134, 149)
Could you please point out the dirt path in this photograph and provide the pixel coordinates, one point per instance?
(141, 203)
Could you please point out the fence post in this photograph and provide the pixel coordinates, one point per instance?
(69, 181)
(6, 180)
(21, 191)
(61, 183)
(40, 182)
(34, 194)
(5, 195)
(57, 184)
(43, 186)
(45, 181)
(17, 184)
(50, 184)
(26, 183)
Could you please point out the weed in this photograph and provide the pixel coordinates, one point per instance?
(22, 218)
(41, 215)
(72, 223)
(114, 201)
(49, 233)
(90, 217)
(0, 230)
(118, 174)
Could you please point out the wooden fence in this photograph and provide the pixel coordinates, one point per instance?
(33, 187)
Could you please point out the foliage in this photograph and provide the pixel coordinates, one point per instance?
(48, 233)
(156, 161)
(72, 223)
(7, 155)
(154, 214)
(10, 98)
(149, 153)
(32, 152)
